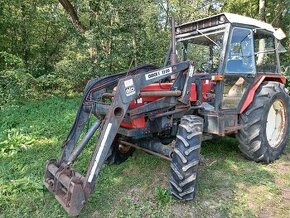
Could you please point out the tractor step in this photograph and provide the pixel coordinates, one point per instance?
(67, 186)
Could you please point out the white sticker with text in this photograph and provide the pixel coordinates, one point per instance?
(129, 87)
(158, 73)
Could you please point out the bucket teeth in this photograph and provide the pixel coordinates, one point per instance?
(66, 185)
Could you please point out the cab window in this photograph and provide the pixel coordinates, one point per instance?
(266, 60)
(240, 57)
(203, 50)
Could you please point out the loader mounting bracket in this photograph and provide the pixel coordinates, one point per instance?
(66, 185)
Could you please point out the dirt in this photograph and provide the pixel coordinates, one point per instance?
(286, 194)
(266, 213)
(126, 171)
(225, 193)
(135, 195)
(180, 210)
(283, 168)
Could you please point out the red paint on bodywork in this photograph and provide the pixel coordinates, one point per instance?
(260, 79)
(207, 86)
(192, 92)
(155, 87)
(139, 122)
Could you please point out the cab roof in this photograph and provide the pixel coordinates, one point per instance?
(239, 19)
(223, 18)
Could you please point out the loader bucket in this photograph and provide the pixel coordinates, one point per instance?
(66, 185)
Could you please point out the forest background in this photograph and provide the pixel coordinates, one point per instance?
(54, 47)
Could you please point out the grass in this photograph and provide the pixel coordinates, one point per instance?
(228, 184)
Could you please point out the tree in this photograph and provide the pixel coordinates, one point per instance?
(262, 42)
(102, 37)
(73, 15)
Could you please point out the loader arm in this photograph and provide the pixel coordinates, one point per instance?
(69, 187)
(92, 91)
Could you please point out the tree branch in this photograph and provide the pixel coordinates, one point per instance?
(68, 7)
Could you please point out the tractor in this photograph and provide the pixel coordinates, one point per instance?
(221, 76)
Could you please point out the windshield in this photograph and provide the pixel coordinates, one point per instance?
(203, 50)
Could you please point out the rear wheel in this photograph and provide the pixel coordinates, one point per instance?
(186, 157)
(265, 123)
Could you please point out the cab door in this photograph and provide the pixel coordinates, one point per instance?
(239, 66)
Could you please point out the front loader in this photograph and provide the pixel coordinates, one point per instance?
(213, 83)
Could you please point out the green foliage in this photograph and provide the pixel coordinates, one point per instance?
(10, 61)
(242, 7)
(15, 142)
(162, 195)
(15, 82)
(42, 53)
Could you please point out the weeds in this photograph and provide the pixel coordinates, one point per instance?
(162, 195)
(228, 184)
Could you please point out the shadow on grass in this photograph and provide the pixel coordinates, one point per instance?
(225, 183)
(136, 188)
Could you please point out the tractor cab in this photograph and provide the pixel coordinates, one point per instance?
(230, 44)
(242, 50)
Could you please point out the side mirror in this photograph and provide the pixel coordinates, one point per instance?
(279, 34)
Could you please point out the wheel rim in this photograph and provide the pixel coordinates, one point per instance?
(276, 123)
(124, 148)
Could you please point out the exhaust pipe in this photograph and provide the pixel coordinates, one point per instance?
(173, 55)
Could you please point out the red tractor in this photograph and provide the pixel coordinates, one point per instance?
(221, 76)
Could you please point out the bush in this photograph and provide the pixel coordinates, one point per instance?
(15, 85)
(10, 61)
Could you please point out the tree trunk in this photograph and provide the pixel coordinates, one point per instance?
(68, 7)
(262, 42)
(165, 7)
(262, 10)
(24, 37)
(94, 11)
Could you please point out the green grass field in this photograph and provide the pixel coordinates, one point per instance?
(228, 184)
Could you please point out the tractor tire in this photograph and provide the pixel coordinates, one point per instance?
(265, 124)
(186, 157)
(117, 155)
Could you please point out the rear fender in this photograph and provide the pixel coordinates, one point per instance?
(256, 85)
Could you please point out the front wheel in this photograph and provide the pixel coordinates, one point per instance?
(186, 156)
(265, 124)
